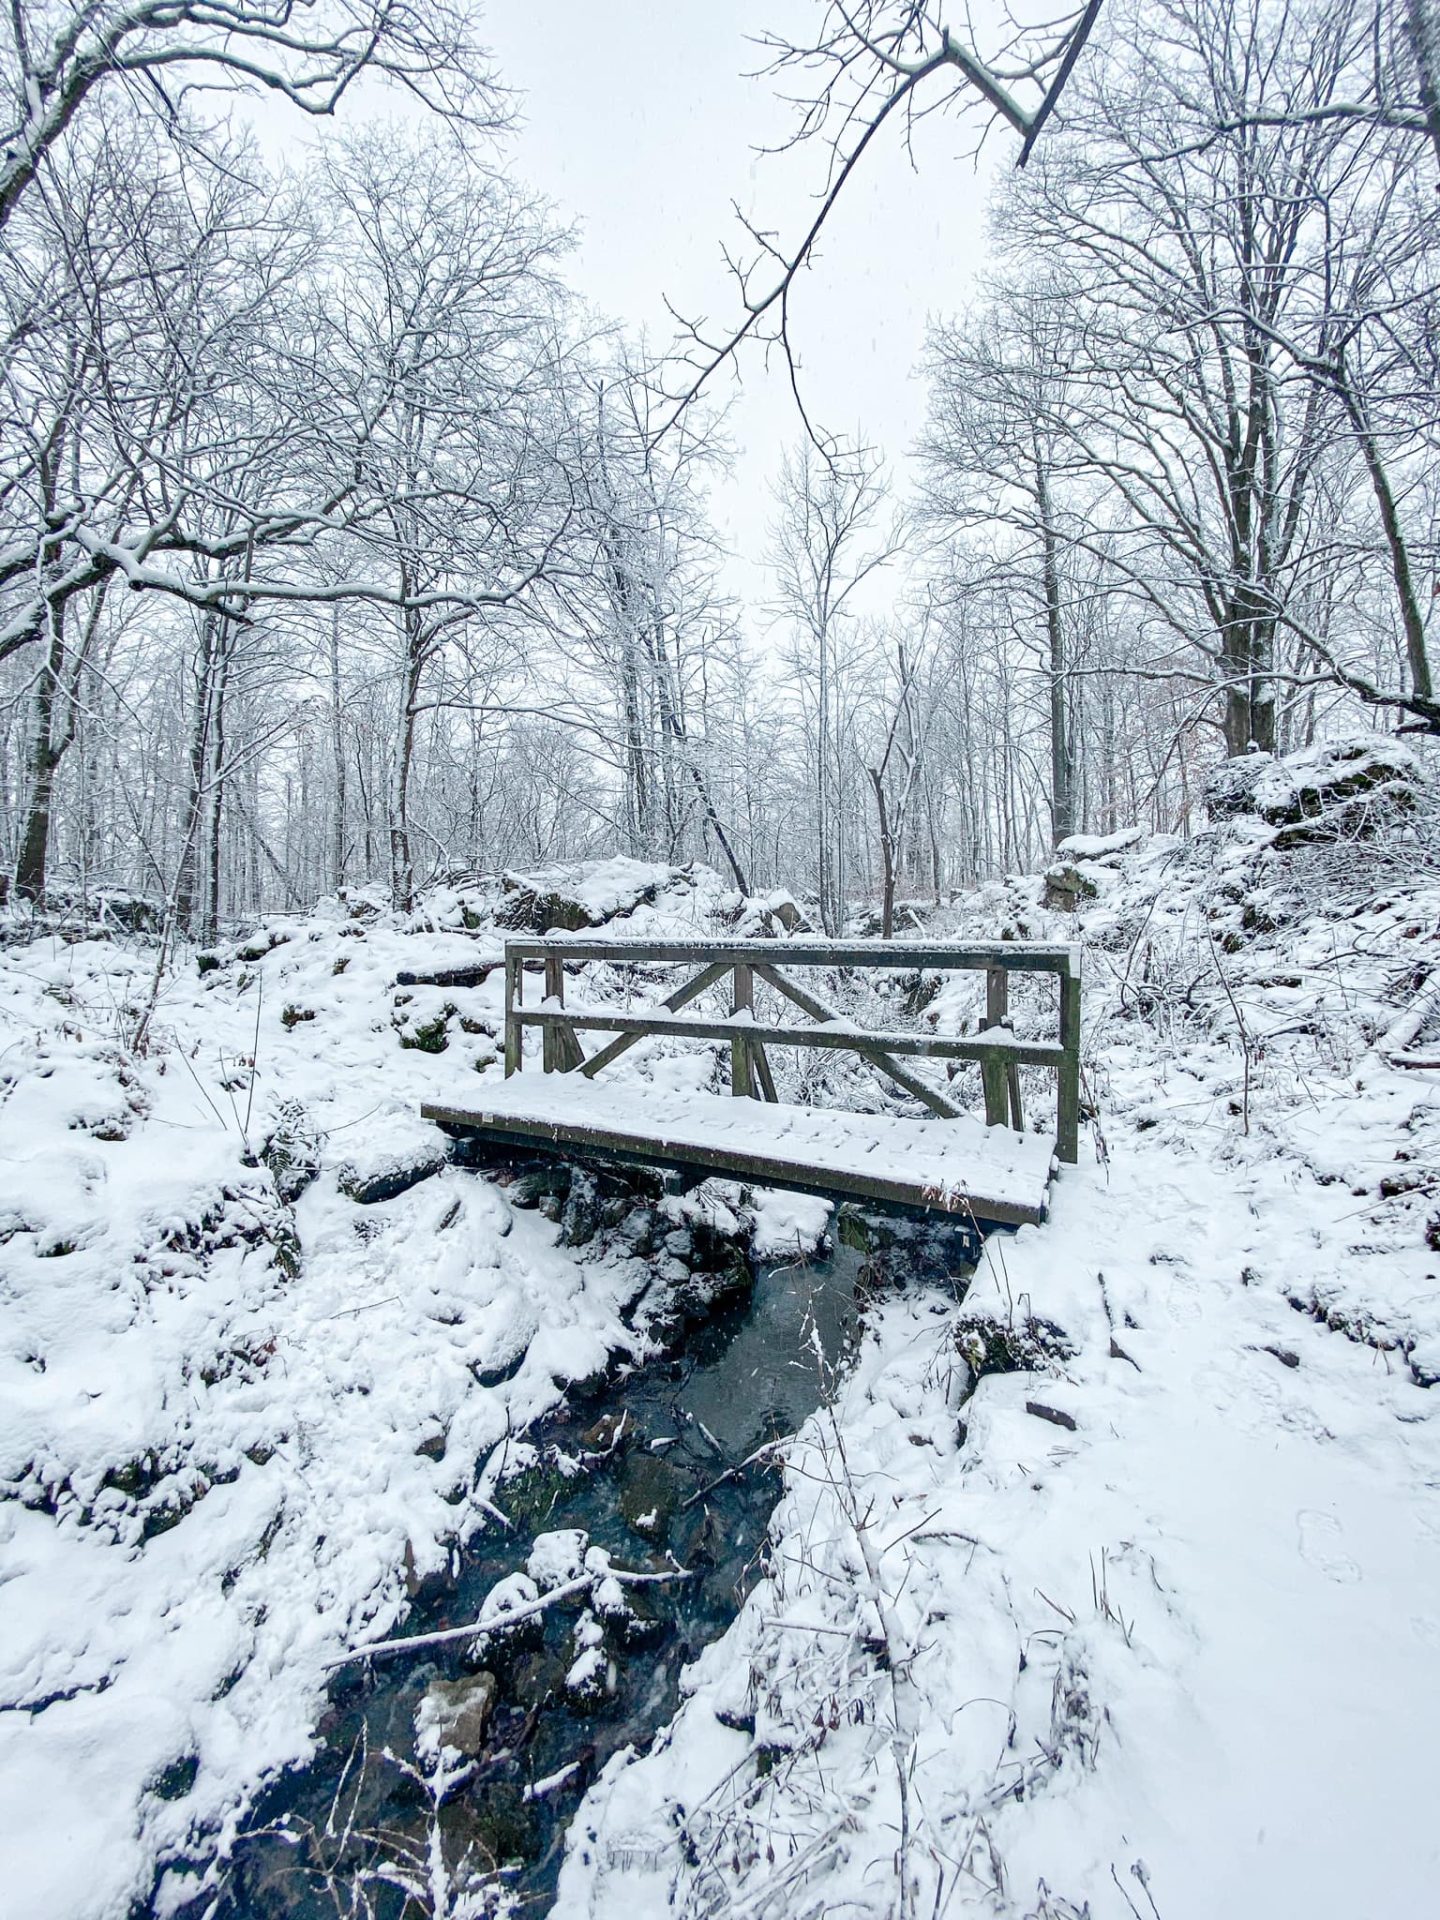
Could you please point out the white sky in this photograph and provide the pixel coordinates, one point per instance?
(638, 123)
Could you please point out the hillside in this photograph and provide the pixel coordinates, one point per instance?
(1107, 1589)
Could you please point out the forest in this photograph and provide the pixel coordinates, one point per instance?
(344, 547)
(723, 1212)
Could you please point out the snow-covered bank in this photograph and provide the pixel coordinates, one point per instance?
(233, 1430)
(1148, 1627)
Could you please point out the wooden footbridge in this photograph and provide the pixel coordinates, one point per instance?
(991, 1172)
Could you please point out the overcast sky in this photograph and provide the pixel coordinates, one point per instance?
(639, 123)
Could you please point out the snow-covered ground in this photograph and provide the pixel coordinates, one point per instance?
(1143, 1622)
(1150, 1626)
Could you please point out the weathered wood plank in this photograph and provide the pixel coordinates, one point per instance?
(1067, 1128)
(757, 1168)
(561, 1050)
(993, 1078)
(821, 1010)
(760, 1069)
(802, 952)
(513, 1033)
(836, 1035)
(743, 1002)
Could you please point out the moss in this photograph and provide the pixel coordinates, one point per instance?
(989, 1345)
(427, 1036)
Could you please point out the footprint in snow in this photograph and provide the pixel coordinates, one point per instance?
(1320, 1544)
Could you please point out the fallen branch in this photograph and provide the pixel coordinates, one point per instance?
(510, 1617)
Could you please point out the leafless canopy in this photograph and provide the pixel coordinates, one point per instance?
(874, 62)
(307, 52)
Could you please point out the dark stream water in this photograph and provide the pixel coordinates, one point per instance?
(337, 1835)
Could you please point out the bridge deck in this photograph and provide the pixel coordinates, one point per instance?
(957, 1166)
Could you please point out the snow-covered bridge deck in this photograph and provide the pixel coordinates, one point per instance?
(993, 1173)
(959, 1166)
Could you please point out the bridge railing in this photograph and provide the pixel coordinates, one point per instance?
(998, 1052)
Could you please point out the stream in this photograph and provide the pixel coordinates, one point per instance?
(648, 1469)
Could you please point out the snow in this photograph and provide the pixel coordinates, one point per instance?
(211, 1457)
(960, 1158)
(1178, 1657)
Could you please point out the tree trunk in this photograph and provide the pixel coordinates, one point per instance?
(45, 757)
(1062, 771)
(1424, 41)
(340, 765)
(887, 857)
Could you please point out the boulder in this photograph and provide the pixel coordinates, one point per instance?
(292, 1152)
(1336, 790)
(383, 1176)
(1231, 788)
(580, 1217)
(1066, 885)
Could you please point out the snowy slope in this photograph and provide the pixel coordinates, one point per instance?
(1148, 1627)
(212, 1406)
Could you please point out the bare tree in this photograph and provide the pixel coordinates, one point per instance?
(173, 53)
(826, 542)
(873, 63)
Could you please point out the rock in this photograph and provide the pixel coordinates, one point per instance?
(530, 1188)
(1100, 846)
(292, 1152)
(557, 1558)
(491, 1822)
(638, 1230)
(535, 1677)
(592, 1678)
(899, 1249)
(432, 1447)
(175, 1781)
(383, 1176)
(650, 1491)
(608, 1433)
(580, 1217)
(1230, 789)
(456, 1713)
(1057, 1416)
(1066, 885)
(628, 1621)
(1336, 790)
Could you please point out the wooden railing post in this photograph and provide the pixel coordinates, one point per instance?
(743, 1002)
(554, 990)
(514, 994)
(1067, 1116)
(992, 1067)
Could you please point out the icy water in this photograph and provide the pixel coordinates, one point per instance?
(347, 1833)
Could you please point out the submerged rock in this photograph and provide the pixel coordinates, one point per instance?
(456, 1713)
(650, 1491)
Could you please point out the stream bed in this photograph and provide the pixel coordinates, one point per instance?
(645, 1474)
